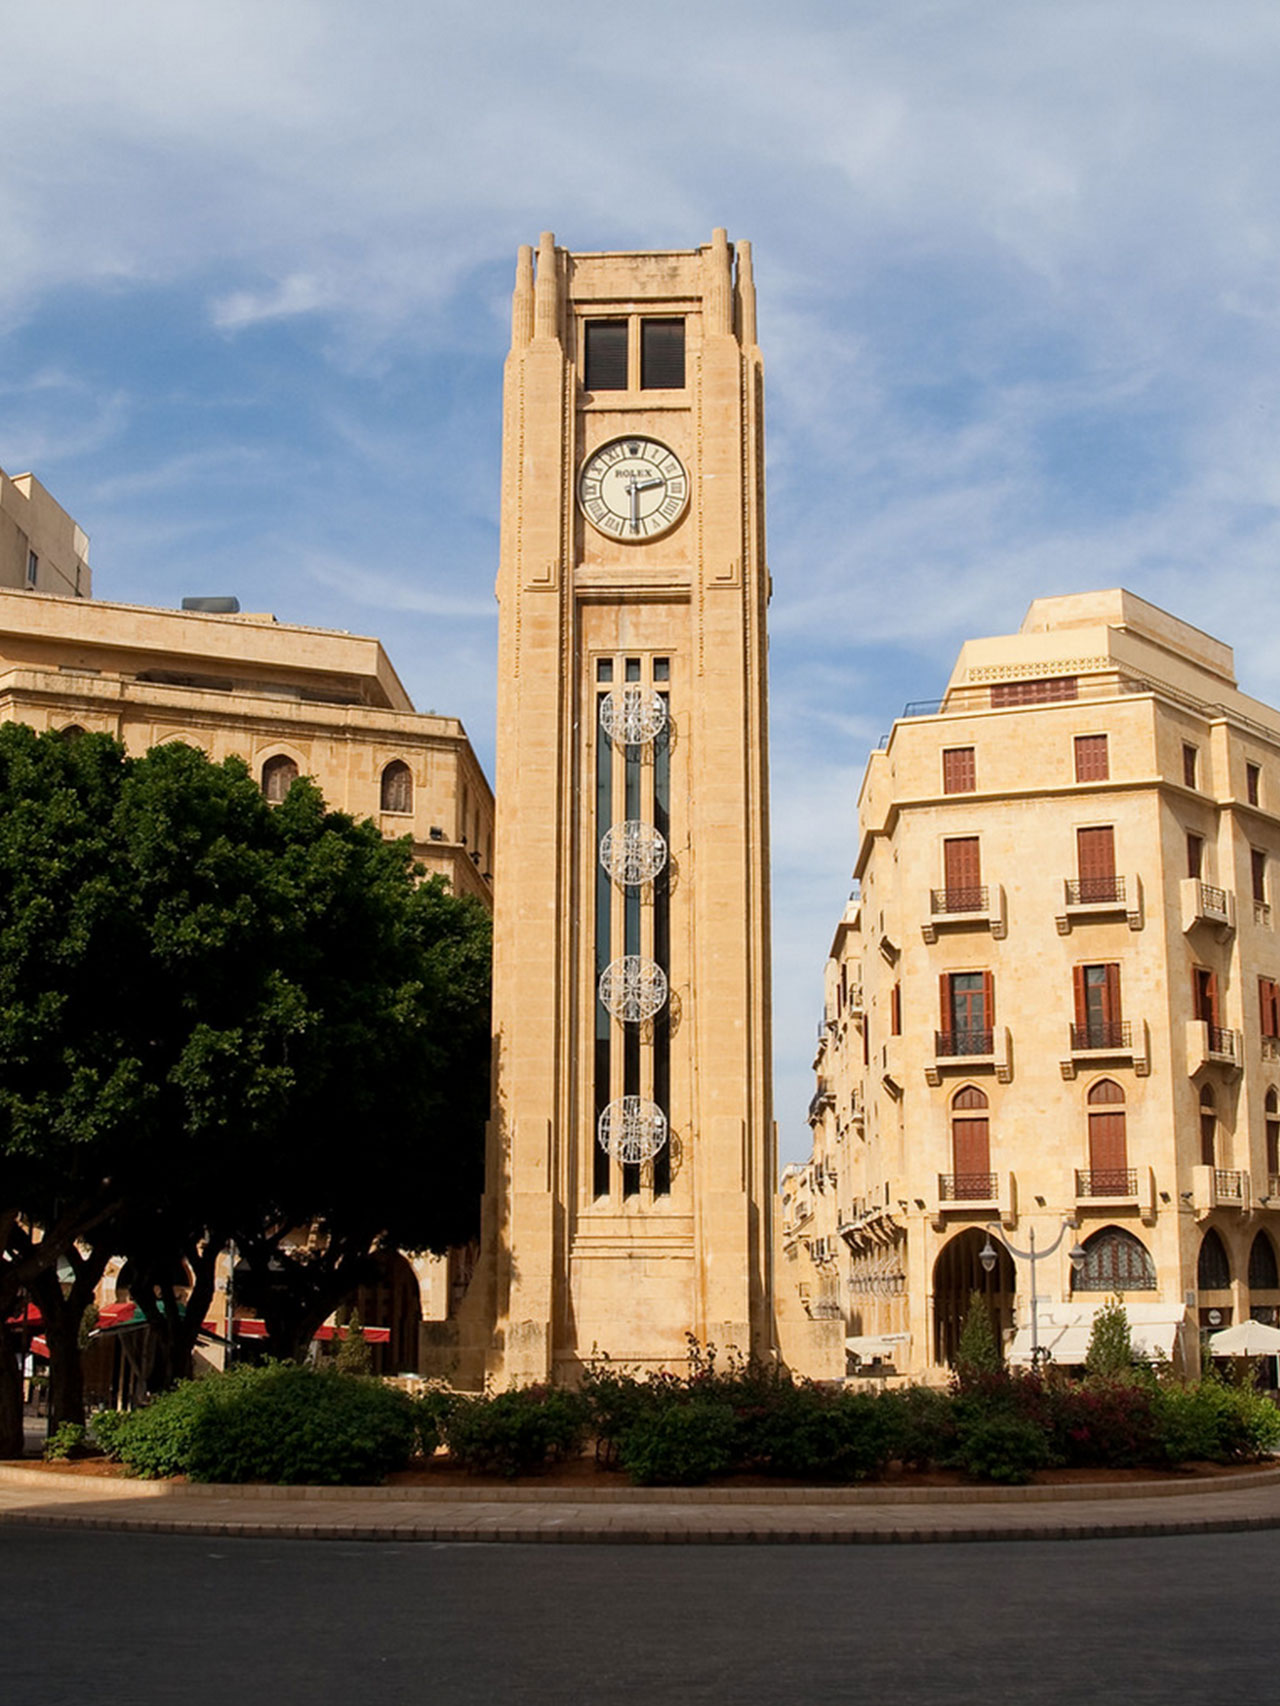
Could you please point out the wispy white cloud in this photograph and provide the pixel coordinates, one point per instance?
(377, 589)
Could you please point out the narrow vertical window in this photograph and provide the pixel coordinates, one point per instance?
(1272, 1112)
(33, 568)
(1269, 1007)
(1258, 874)
(662, 944)
(1190, 765)
(1097, 1002)
(1208, 1128)
(1108, 1151)
(662, 355)
(1252, 781)
(397, 787)
(959, 774)
(278, 776)
(604, 899)
(962, 874)
(633, 757)
(604, 361)
(1204, 996)
(970, 1146)
(1096, 864)
(1092, 762)
(1195, 855)
(895, 1010)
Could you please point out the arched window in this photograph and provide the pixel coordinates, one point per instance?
(1114, 1260)
(1264, 1275)
(972, 1179)
(278, 776)
(1213, 1271)
(397, 787)
(1108, 1148)
(73, 731)
(1208, 1128)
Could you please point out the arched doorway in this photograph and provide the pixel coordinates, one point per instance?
(394, 1300)
(957, 1273)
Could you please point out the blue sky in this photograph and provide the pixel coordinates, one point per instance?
(1019, 275)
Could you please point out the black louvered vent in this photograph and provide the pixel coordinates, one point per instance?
(662, 355)
(605, 352)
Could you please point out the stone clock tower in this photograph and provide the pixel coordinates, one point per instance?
(631, 1160)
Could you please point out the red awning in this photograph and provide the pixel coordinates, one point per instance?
(28, 1317)
(373, 1335)
(40, 1348)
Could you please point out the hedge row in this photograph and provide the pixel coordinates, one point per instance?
(291, 1425)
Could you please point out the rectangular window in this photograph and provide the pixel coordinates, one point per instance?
(662, 669)
(1258, 874)
(1096, 864)
(604, 363)
(1097, 1003)
(1269, 1006)
(1048, 690)
(604, 669)
(33, 568)
(1190, 765)
(1204, 996)
(1195, 855)
(962, 874)
(1091, 758)
(895, 1010)
(968, 1012)
(959, 774)
(662, 355)
(1252, 780)
(631, 669)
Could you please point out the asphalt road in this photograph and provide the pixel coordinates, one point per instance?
(115, 1619)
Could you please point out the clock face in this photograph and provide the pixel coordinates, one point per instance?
(633, 488)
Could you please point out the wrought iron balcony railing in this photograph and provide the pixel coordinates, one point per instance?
(1102, 1034)
(1106, 1181)
(948, 1044)
(971, 899)
(966, 1187)
(1222, 1041)
(1095, 891)
(1213, 901)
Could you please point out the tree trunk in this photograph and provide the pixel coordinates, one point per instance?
(11, 1433)
(63, 1323)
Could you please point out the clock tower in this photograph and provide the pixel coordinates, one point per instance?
(631, 1160)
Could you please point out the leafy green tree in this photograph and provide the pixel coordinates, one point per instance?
(221, 1019)
(978, 1352)
(1110, 1350)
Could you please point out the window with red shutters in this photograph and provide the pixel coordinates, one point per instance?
(1092, 763)
(1269, 1005)
(1047, 690)
(1096, 863)
(959, 772)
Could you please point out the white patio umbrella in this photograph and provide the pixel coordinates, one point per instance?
(1248, 1339)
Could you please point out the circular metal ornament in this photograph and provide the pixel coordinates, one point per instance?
(633, 988)
(632, 1129)
(633, 715)
(633, 852)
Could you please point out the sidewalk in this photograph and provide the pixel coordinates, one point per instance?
(785, 1516)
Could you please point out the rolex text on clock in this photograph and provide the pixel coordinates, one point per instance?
(633, 488)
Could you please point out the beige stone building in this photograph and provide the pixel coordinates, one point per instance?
(632, 1154)
(1053, 1007)
(289, 700)
(41, 547)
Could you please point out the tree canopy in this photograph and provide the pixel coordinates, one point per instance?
(224, 1020)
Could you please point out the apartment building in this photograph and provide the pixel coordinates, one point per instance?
(1049, 1062)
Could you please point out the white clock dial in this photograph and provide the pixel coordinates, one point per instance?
(633, 488)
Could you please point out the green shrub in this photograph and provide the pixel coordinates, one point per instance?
(1097, 1423)
(517, 1432)
(812, 1434)
(66, 1441)
(430, 1410)
(1001, 1447)
(615, 1401)
(1210, 1422)
(978, 1352)
(277, 1422)
(680, 1445)
(1110, 1349)
(926, 1425)
(107, 1429)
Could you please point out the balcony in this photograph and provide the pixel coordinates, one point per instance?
(1271, 1048)
(1203, 903)
(1091, 899)
(1108, 1039)
(977, 907)
(971, 1051)
(1273, 1187)
(1219, 1187)
(967, 1187)
(1212, 1045)
(1262, 914)
(1119, 1184)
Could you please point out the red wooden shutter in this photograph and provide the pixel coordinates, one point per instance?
(1111, 996)
(1096, 852)
(1107, 1149)
(971, 1146)
(1091, 758)
(895, 1011)
(988, 1001)
(1082, 1006)
(1211, 998)
(962, 862)
(944, 991)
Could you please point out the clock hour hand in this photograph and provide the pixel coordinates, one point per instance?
(634, 489)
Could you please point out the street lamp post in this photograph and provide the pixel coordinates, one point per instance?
(987, 1256)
